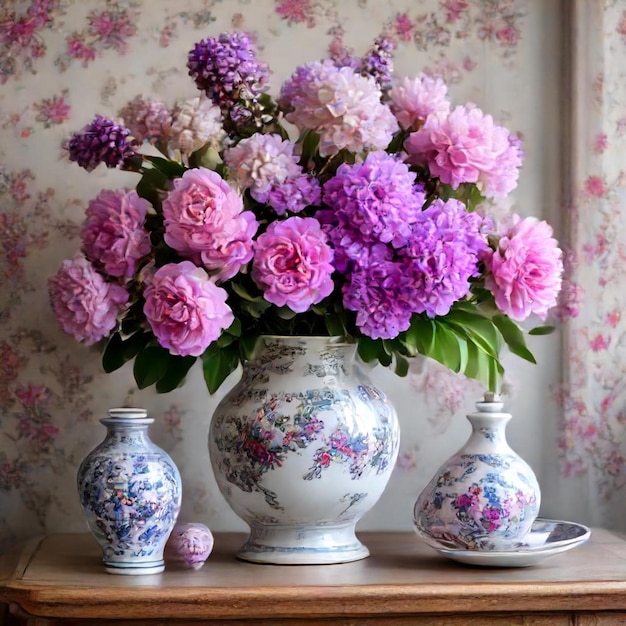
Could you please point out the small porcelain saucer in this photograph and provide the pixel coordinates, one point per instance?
(546, 538)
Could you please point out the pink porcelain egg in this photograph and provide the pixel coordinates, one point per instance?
(189, 544)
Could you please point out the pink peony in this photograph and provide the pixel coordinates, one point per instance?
(205, 221)
(414, 99)
(85, 305)
(293, 263)
(113, 235)
(186, 310)
(467, 147)
(524, 273)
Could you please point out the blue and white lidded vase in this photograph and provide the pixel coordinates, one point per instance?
(484, 497)
(130, 491)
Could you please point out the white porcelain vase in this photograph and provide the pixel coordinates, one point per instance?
(484, 497)
(301, 448)
(130, 492)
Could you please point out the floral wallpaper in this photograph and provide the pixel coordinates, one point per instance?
(62, 61)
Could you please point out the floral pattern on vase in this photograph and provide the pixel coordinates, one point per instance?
(485, 497)
(301, 448)
(130, 492)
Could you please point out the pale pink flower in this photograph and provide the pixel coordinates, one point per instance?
(113, 234)
(148, 119)
(196, 122)
(467, 147)
(341, 105)
(414, 99)
(205, 221)
(594, 186)
(524, 272)
(262, 161)
(599, 343)
(293, 263)
(186, 310)
(84, 304)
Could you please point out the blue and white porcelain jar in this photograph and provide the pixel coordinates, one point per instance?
(484, 497)
(130, 491)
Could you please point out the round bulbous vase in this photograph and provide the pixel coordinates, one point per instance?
(130, 492)
(301, 448)
(484, 497)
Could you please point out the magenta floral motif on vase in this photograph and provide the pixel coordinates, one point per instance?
(263, 443)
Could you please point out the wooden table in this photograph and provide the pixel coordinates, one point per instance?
(59, 579)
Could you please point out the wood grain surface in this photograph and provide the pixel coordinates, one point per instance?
(403, 582)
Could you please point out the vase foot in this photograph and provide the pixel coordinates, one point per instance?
(135, 569)
(288, 545)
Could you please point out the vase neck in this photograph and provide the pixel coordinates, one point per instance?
(489, 427)
(127, 421)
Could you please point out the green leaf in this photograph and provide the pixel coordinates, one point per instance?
(218, 364)
(335, 325)
(420, 335)
(242, 292)
(513, 336)
(402, 366)
(171, 169)
(118, 351)
(177, 369)
(113, 357)
(150, 365)
(542, 330)
(483, 368)
(285, 313)
(149, 185)
(482, 330)
(369, 349)
(247, 343)
(445, 348)
(235, 328)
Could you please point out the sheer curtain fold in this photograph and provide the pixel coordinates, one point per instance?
(593, 394)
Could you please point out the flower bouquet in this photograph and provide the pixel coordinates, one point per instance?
(354, 204)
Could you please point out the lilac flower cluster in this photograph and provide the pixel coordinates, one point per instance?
(226, 69)
(101, 141)
(378, 63)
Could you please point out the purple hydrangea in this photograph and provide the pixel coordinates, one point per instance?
(226, 69)
(443, 254)
(101, 141)
(294, 194)
(378, 291)
(372, 202)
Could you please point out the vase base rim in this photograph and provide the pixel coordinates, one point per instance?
(134, 570)
(271, 555)
(298, 545)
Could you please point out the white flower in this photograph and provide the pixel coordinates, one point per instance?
(196, 122)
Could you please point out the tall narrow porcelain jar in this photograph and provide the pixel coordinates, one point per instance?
(130, 491)
(484, 497)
